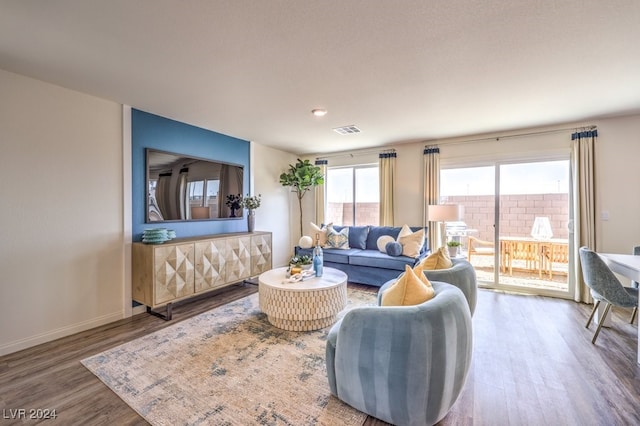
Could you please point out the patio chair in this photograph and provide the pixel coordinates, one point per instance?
(605, 287)
(480, 247)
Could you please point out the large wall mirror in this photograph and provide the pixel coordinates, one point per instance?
(185, 188)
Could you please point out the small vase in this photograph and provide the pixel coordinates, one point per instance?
(251, 220)
(233, 212)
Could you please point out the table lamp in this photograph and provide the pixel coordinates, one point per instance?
(444, 213)
(541, 229)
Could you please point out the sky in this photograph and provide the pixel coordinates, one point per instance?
(548, 177)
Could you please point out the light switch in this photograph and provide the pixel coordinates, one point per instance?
(604, 215)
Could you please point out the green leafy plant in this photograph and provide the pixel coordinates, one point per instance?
(301, 260)
(301, 177)
(251, 202)
(454, 244)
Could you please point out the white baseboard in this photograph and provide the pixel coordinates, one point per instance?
(38, 339)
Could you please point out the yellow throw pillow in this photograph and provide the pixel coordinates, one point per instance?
(419, 271)
(321, 233)
(407, 291)
(437, 260)
(412, 242)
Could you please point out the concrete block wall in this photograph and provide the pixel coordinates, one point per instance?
(517, 213)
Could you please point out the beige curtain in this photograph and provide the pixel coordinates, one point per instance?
(320, 192)
(432, 192)
(387, 163)
(583, 205)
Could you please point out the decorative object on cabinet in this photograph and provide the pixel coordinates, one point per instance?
(181, 268)
(251, 203)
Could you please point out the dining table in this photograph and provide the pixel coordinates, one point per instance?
(627, 265)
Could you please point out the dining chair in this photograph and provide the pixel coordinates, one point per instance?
(605, 287)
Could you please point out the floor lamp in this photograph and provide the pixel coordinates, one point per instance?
(444, 213)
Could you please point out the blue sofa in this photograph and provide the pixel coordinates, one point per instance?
(362, 261)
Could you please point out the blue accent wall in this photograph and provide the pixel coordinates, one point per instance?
(152, 131)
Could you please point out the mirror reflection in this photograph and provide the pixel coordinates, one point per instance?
(183, 188)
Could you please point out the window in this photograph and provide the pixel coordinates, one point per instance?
(353, 195)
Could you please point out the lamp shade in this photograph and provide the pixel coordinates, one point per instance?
(541, 228)
(444, 212)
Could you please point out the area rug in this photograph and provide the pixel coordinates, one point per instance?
(228, 366)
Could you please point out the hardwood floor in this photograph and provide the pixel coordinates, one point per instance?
(533, 364)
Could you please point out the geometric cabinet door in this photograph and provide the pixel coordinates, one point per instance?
(210, 264)
(174, 272)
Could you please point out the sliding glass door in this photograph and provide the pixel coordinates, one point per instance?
(516, 220)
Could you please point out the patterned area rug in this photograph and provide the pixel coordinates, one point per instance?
(228, 366)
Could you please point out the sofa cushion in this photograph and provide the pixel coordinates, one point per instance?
(338, 255)
(376, 259)
(376, 232)
(357, 236)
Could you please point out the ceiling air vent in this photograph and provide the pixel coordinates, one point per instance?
(347, 130)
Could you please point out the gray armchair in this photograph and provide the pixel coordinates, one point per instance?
(405, 365)
(605, 287)
(461, 275)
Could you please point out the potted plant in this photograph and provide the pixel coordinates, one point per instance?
(453, 247)
(300, 263)
(301, 177)
(251, 203)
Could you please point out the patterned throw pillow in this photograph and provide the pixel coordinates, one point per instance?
(339, 240)
(408, 290)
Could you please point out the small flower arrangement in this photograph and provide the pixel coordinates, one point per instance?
(301, 260)
(234, 201)
(251, 203)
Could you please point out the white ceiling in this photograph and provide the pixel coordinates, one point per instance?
(402, 71)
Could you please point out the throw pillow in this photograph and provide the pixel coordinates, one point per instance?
(382, 243)
(305, 241)
(419, 271)
(339, 240)
(393, 248)
(357, 235)
(437, 260)
(412, 242)
(320, 233)
(408, 290)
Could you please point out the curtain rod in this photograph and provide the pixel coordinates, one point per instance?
(518, 135)
(353, 154)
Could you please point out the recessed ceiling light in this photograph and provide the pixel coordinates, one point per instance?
(319, 112)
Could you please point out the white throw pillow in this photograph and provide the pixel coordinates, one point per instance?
(382, 242)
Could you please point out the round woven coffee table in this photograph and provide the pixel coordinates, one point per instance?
(302, 306)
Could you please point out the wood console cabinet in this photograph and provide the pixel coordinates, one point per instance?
(184, 267)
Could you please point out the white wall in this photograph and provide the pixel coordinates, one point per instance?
(61, 239)
(278, 212)
(617, 178)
